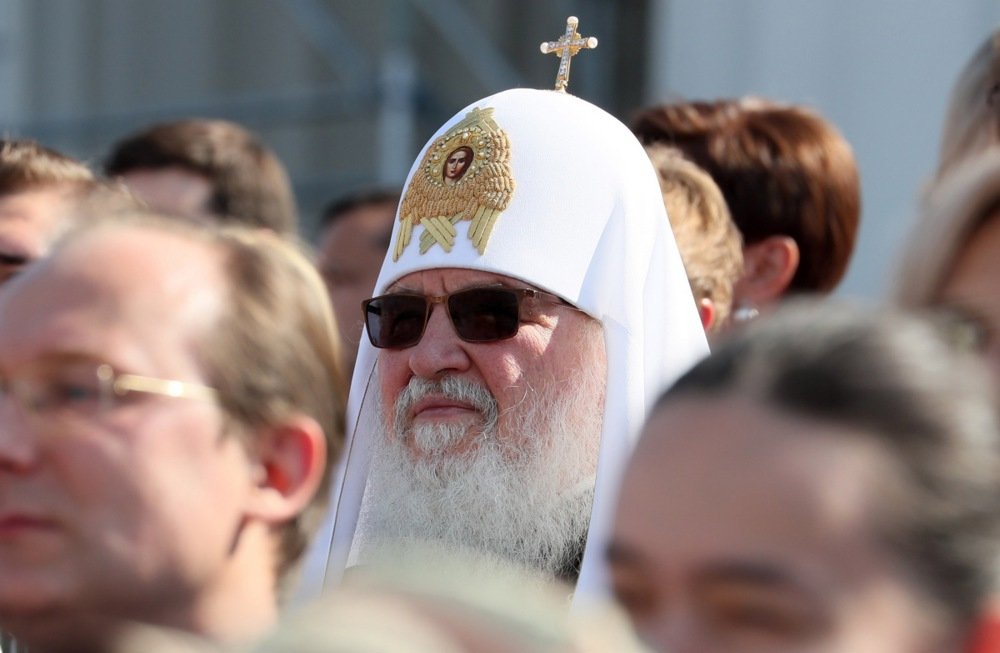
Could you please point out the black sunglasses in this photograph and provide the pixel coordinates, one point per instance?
(398, 320)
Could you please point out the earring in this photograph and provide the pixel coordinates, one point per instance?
(745, 312)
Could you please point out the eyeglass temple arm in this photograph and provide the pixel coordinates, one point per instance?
(124, 383)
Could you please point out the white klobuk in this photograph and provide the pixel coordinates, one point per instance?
(584, 219)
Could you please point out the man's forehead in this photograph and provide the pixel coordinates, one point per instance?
(452, 279)
(116, 275)
(31, 217)
(172, 258)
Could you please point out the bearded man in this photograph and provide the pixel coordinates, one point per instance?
(523, 322)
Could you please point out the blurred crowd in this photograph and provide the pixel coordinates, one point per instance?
(576, 385)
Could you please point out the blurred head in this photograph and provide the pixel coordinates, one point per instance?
(951, 264)
(354, 237)
(163, 453)
(38, 187)
(27, 165)
(423, 602)
(709, 242)
(789, 179)
(972, 123)
(826, 480)
(207, 169)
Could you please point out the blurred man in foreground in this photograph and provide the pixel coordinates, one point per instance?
(165, 431)
(828, 480)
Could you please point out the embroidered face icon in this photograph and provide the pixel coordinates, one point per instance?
(456, 164)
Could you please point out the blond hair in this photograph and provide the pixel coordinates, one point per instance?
(27, 165)
(972, 123)
(954, 207)
(709, 242)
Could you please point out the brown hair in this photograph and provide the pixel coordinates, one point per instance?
(28, 165)
(276, 352)
(345, 204)
(249, 183)
(709, 243)
(783, 170)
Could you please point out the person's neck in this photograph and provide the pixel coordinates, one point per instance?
(240, 604)
(237, 606)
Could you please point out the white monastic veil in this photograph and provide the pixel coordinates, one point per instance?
(586, 222)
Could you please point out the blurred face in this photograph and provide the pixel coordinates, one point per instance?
(171, 190)
(129, 508)
(350, 257)
(973, 288)
(735, 532)
(29, 222)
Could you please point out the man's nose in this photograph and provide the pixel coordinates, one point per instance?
(19, 447)
(440, 350)
(676, 631)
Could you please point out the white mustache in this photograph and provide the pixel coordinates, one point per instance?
(450, 387)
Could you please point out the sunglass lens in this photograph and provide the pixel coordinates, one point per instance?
(395, 321)
(484, 314)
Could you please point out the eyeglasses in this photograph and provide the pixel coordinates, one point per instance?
(83, 390)
(398, 320)
(961, 328)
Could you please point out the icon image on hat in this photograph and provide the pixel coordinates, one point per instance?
(456, 164)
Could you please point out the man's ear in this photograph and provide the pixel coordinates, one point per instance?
(985, 636)
(291, 461)
(707, 312)
(768, 267)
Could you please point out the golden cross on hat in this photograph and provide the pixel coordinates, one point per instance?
(567, 47)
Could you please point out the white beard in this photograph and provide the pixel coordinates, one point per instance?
(528, 506)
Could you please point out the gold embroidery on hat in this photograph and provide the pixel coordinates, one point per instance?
(464, 175)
